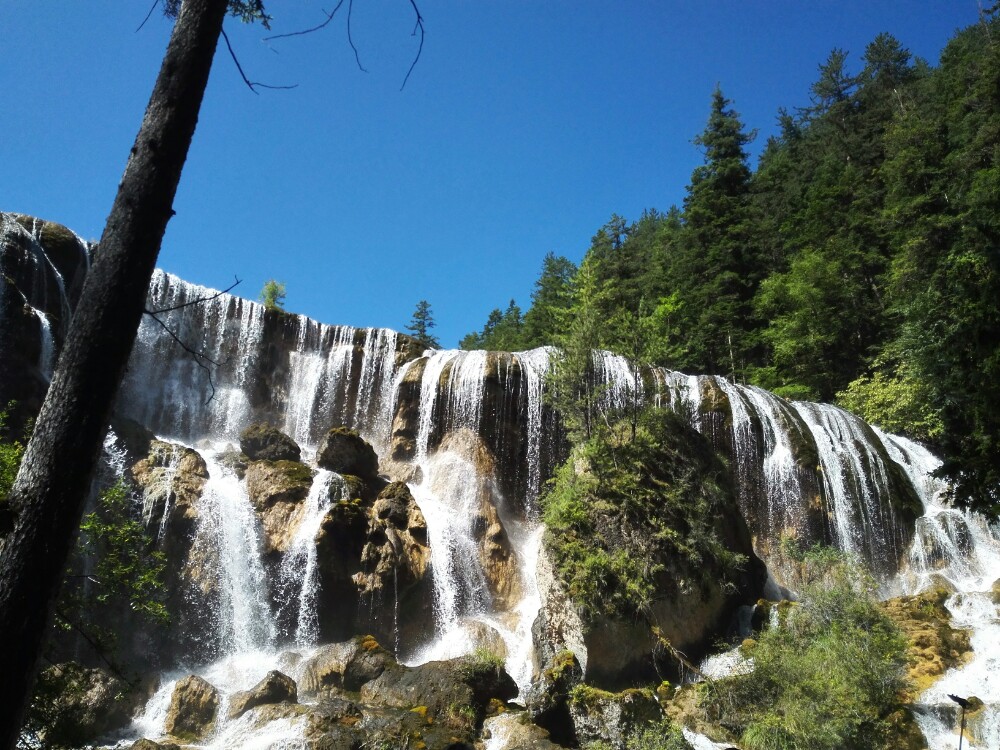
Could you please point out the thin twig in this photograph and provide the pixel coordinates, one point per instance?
(196, 356)
(148, 15)
(252, 85)
(418, 25)
(198, 301)
(350, 39)
(329, 17)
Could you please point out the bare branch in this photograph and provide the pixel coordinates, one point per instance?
(148, 15)
(350, 39)
(418, 25)
(252, 85)
(195, 301)
(329, 17)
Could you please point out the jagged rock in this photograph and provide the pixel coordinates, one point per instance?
(276, 490)
(344, 666)
(465, 685)
(261, 442)
(344, 451)
(547, 699)
(341, 538)
(599, 716)
(171, 478)
(83, 703)
(193, 708)
(514, 731)
(274, 688)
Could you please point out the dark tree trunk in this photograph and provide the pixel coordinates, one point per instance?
(48, 496)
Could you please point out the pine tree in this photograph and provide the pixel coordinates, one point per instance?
(715, 272)
(420, 325)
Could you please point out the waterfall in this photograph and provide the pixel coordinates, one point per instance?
(856, 485)
(959, 550)
(46, 357)
(228, 529)
(297, 579)
(534, 367)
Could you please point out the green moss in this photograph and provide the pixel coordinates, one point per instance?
(627, 517)
(296, 471)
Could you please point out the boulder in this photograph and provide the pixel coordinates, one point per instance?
(514, 731)
(274, 688)
(145, 744)
(933, 645)
(344, 451)
(276, 490)
(600, 716)
(193, 708)
(171, 478)
(344, 666)
(547, 699)
(261, 442)
(457, 690)
(80, 703)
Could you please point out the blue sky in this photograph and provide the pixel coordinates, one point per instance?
(524, 126)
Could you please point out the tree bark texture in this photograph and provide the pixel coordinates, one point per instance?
(48, 496)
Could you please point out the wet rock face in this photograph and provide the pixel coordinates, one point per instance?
(548, 698)
(599, 716)
(344, 666)
(276, 490)
(261, 442)
(193, 708)
(344, 451)
(274, 688)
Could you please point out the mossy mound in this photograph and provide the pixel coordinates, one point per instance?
(263, 442)
(933, 645)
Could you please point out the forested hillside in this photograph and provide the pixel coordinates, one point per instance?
(858, 263)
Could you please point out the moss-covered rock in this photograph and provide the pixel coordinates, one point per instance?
(600, 716)
(344, 451)
(261, 442)
(276, 490)
(647, 537)
(344, 666)
(933, 645)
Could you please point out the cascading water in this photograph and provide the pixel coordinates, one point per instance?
(297, 579)
(856, 485)
(960, 551)
(535, 366)
(229, 529)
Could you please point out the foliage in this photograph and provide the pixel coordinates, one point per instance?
(127, 570)
(895, 400)
(420, 325)
(625, 513)
(272, 296)
(11, 452)
(503, 331)
(828, 677)
(859, 260)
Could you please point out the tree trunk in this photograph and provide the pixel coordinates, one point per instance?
(48, 496)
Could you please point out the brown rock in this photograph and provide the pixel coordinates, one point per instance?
(193, 708)
(345, 666)
(276, 490)
(274, 688)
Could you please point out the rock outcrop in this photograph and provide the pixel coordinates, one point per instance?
(276, 490)
(261, 442)
(274, 688)
(194, 705)
(344, 451)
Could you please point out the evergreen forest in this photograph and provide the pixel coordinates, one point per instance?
(857, 263)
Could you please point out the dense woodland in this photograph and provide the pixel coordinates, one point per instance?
(859, 263)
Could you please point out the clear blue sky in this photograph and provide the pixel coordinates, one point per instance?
(525, 124)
